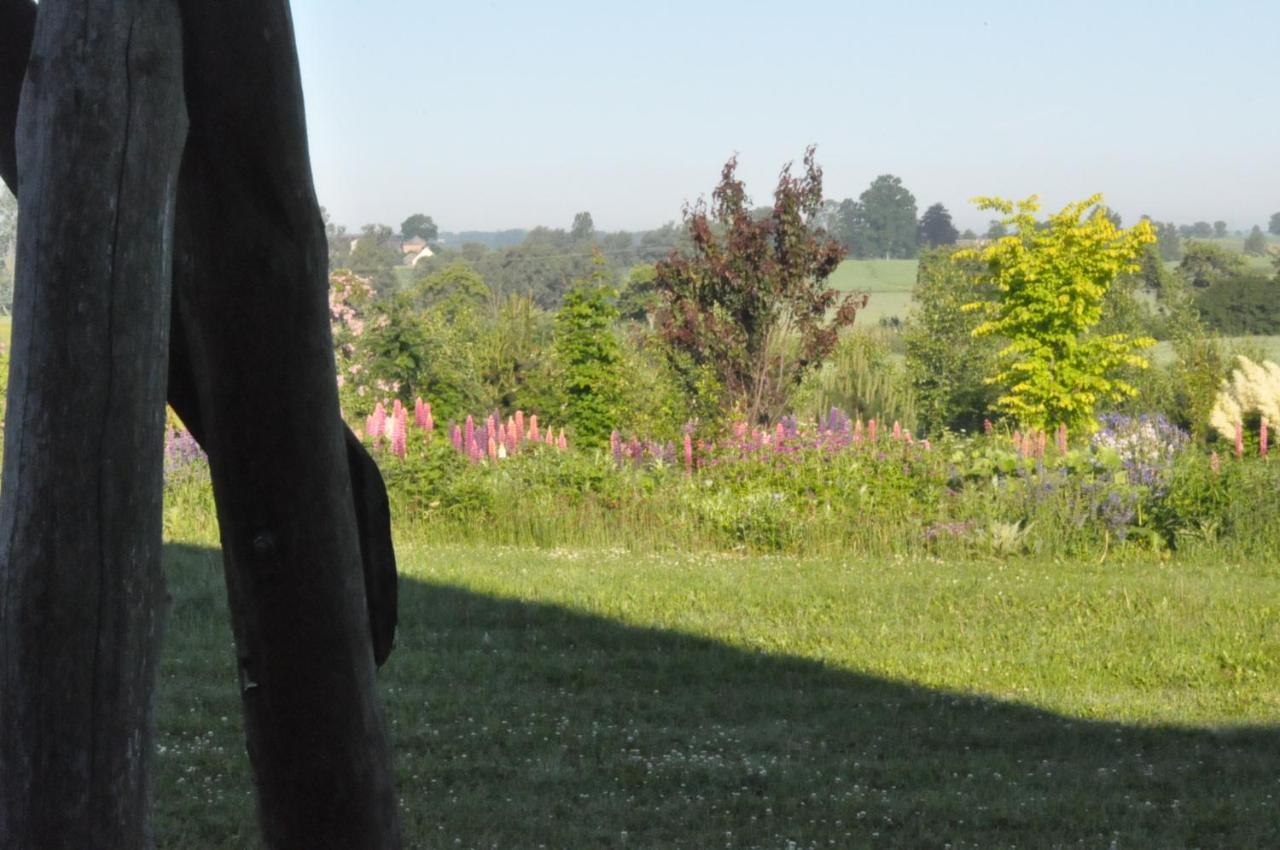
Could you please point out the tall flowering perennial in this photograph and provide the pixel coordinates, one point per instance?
(1050, 281)
(1252, 390)
(1146, 445)
(491, 439)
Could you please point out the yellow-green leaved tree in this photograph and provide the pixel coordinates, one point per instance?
(1050, 279)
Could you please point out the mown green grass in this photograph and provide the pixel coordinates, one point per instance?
(573, 699)
(887, 282)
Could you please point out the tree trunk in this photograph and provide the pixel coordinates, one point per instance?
(240, 375)
(81, 591)
(251, 295)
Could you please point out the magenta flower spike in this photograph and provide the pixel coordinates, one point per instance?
(533, 428)
(562, 443)
(455, 437)
(399, 433)
(473, 450)
(1239, 439)
(469, 432)
(377, 424)
(688, 453)
(1262, 438)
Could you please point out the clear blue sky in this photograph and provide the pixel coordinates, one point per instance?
(489, 115)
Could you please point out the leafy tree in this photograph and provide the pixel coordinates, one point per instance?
(421, 226)
(1204, 264)
(373, 256)
(750, 305)
(1168, 242)
(996, 230)
(639, 299)
(968, 234)
(946, 364)
(936, 227)
(1050, 282)
(589, 358)
(1274, 227)
(1219, 229)
(453, 287)
(1255, 245)
(1202, 230)
(339, 242)
(886, 220)
(1243, 304)
(583, 227)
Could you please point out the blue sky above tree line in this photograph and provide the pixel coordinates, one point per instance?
(495, 115)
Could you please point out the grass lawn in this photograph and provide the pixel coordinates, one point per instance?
(599, 699)
(888, 282)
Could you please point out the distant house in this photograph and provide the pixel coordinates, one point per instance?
(415, 249)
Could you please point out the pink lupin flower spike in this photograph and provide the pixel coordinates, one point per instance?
(857, 430)
(871, 430)
(399, 432)
(377, 424)
(430, 423)
(550, 437)
(1262, 438)
(897, 430)
(1239, 440)
(688, 454)
(493, 447)
(455, 437)
(987, 427)
(562, 443)
(520, 432)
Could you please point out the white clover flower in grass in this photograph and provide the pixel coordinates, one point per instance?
(1253, 387)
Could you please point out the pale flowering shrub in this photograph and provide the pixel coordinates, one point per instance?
(1253, 390)
(1146, 446)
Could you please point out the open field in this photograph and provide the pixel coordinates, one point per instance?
(888, 282)
(572, 699)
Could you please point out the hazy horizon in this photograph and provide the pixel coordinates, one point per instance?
(491, 117)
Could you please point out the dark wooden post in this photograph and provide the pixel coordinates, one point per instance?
(249, 345)
(81, 592)
(251, 293)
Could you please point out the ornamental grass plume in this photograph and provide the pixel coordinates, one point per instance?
(1252, 388)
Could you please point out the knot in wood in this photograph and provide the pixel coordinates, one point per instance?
(264, 544)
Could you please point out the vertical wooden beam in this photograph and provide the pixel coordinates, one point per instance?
(251, 293)
(99, 140)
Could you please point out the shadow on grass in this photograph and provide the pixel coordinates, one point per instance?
(526, 725)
